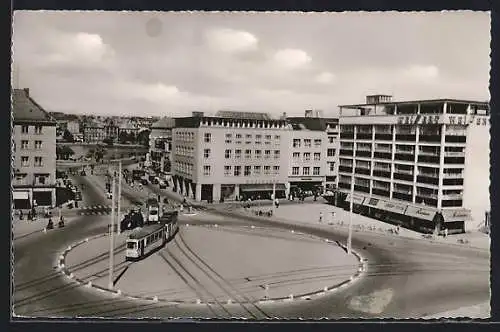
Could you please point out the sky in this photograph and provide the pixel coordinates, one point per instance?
(170, 64)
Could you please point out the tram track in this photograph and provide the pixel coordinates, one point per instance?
(196, 281)
(228, 288)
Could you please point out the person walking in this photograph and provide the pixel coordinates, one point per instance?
(321, 217)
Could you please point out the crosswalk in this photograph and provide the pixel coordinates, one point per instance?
(93, 210)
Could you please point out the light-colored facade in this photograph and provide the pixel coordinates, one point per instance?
(229, 157)
(332, 152)
(160, 145)
(34, 150)
(94, 132)
(424, 164)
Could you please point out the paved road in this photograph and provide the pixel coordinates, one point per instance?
(406, 278)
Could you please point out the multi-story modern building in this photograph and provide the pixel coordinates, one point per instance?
(423, 164)
(332, 153)
(307, 152)
(34, 150)
(93, 132)
(230, 156)
(160, 144)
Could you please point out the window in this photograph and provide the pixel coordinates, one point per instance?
(237, 153)
(307, 142)
(268, 136)
(316, 171)
(330, 152)
(295, 170)
(24, 129)
(206, 153)
(207, 137)
(38, 162)
(38, 130)
(206, 170)
(296, 143)
(40, 179)
(277, 137)
(229, 135)
(256, 170)
(276, 154)
(237, 170)
(248, 171)
(25, 161)
(38, 145)
(276, 170)
(228, 141)
(332, 166)
(317, 143)
(258, 137)
(317, 156)
(307, 156)
(248, 154)
(248, 136)
(24, 145)
(267, 170)
(238, 136)
(267, 154)
(306, 171)
(227, 153)
(330, 139)
(227, 170)
(296, 155)
(258, 154)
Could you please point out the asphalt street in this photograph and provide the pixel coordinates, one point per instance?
(406, 278)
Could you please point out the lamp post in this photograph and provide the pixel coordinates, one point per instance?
(111, 235)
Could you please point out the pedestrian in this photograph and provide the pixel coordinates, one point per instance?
(321, 217)
(445, 232)
(277, 202)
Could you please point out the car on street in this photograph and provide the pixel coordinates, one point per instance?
(155, 180)
(109, 195)
(163, 184)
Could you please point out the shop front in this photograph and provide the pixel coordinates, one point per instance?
(306, 186)
(262, 191)
(21, 199)
(455, 220)
(357, 203)
(424, 219)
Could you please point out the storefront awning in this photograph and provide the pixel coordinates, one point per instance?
(392, 206)
(373, 202)
(456, 215)
(261, 187)
(358, 199)
(420, 212)
(21, 195)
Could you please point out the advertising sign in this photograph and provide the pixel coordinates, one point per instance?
(393, 207)
(357, 199)
(420, 212)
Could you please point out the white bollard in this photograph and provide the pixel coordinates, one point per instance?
(291, 297)
(61, 266)
(198, 301)
(89, 284)
(293, 231)
(44, 230)
(61, 257)
(229, 301)
(71, 276)
(155, 298)
(119, 292)
(187, 225)
(325, 289)
(69, 248)
(252, 227)
(87, 240)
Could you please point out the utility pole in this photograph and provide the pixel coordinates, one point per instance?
(111, 235)
(119, 194)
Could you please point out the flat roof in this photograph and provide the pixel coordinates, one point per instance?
(459, 101)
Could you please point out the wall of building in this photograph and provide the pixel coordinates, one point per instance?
(302, 135)
(477, 169)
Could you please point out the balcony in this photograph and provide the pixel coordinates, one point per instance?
(362, 188)
(428, 153)
(344, 185)
(382, 174)
(427, 195)
(363, 153)
(383, 137)
(345, 169)
(344, 152)
(453, 182)
(454, 154)
(404, 196)
(406, 137)
(405, 157)
(428, 159)
(454, 160)
(362, 170)
(452, 196)
(434, 138)
(428, 179)
(381, 192)
(347, 135)
(455, 139)
(382, 155)
(404, 177)
(364, 136)
(453, 175)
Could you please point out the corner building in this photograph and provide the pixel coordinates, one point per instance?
(233, 155)
(422, 164)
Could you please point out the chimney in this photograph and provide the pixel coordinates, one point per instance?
(284, 116)
(308, 113)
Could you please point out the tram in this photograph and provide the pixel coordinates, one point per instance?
(150, 238)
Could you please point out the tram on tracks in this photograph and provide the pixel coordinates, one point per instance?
(144, 241)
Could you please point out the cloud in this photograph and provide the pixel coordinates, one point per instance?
(325, 78)
(231, 41)
(292, 58)
(155, 93)
(420, 72)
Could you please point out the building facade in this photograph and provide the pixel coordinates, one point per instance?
(230, 156)
(160, 145)
(94, 132)
(307, 153)
(423, 164)
(34, 151)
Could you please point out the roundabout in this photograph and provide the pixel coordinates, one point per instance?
(249, 266)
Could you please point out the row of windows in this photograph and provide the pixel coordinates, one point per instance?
(25, 145)
(39, 179)
(185, 168)
(306, 171)
(250, 136)
(248, 153)
(297, 142)
(306, 156)
(25, 129)
(247, 170)
(184, 150)
(187, 136)
(25, 161)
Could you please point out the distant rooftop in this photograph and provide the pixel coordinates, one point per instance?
(164, 123)
(25, 109)
(307, 123)
(375, 101)
(243, 115)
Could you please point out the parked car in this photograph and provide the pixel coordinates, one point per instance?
(155, 180)
(163, 184)
(109, 195)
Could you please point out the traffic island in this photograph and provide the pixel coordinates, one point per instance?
(237, 265)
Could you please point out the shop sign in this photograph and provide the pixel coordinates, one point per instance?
(456, 215)
(357, 199)
(421, 213)
(372, 202)
(394, 207)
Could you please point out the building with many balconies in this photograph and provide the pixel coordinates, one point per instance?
(34, 151)
(229, 156)
(422, 164)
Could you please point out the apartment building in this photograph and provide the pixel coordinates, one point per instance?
(422, 164)
(307, 152)
(332, 152)
(160, 144)
(34, 151)
(93, 132)
(232, 155)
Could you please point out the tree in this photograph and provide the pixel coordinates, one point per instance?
(64, 152)
(143, 137)
(123, 137)
(68, 137)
